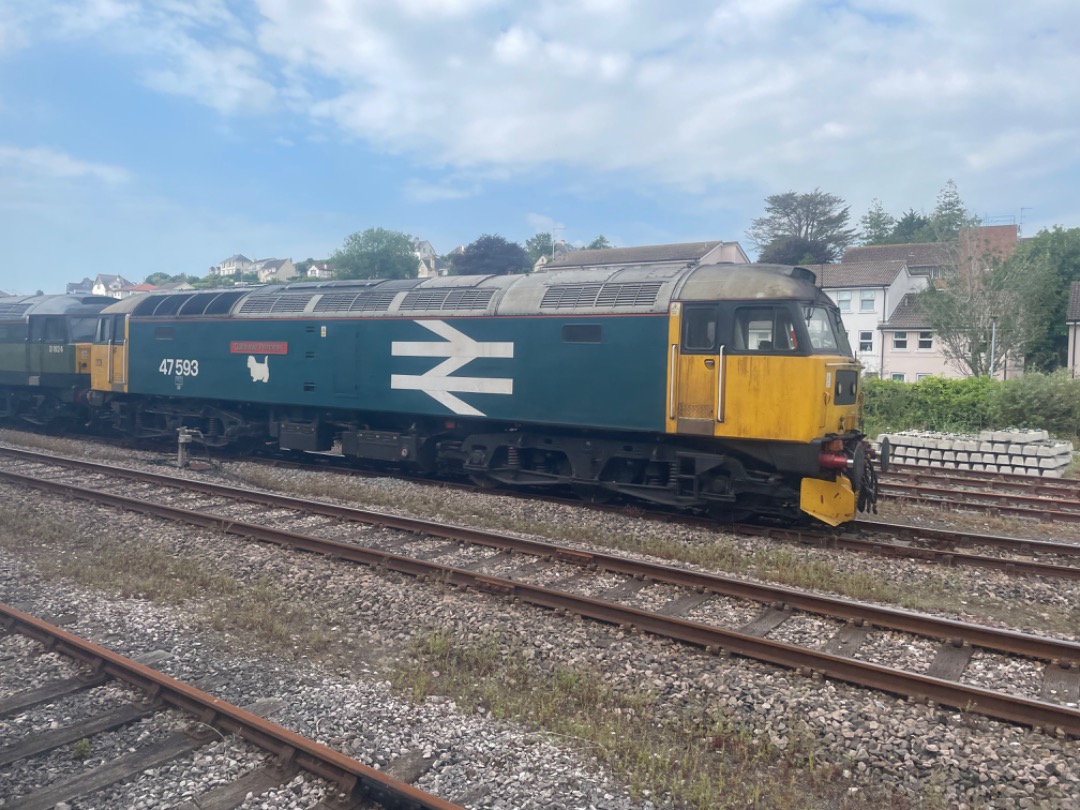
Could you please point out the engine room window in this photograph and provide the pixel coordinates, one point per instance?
(765, 329)
(581, 333)
(699, 328)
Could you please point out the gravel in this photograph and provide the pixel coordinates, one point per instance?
(955, 759)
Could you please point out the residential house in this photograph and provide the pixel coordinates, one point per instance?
(1072, 321)
(270, 270)
(678, 255)
(84, 287)
(110, 285)
(319, 270)
(867, 293)
(136, 289)
(176, 286)
(910, 352)
(233, 266)
(427, 259)
(974, 246)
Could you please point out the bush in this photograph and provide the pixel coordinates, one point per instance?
(933, 404)
(1043, 401)
(1047, 401)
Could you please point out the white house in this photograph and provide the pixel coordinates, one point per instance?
(867, 294)
(274, 270)
(233, 266)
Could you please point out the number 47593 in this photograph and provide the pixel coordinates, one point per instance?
(179, 368)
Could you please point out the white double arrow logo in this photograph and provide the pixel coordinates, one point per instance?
(459, 349)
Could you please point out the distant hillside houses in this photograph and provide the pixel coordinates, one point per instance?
(114, 286)
(267, 270)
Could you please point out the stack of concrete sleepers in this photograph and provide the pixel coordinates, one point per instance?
(1021, 452)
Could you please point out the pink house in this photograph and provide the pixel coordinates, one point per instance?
(909, 352)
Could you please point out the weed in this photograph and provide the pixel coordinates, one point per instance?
(81, 749)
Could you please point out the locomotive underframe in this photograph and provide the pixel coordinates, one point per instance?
(727, 477)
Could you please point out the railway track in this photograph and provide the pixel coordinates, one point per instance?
(898, 541)
(1068, 488)
(1041, 499)
(207, 719)
(688, 606)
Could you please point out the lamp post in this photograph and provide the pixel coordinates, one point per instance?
(993, 344)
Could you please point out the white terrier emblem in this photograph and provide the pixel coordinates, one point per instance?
(260, 372)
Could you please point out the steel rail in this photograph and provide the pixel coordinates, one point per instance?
(1011, 708)
(950, 536)
(843, 540)
(823, 538)
(352, 777)
(982, 501)
(1034, 483)
(990, 638)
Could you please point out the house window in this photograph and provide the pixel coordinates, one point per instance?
(843, 300)
(866, 301)
(866, 341)
(898, 376)
(926, 340)
(899, 341)
(921, 377)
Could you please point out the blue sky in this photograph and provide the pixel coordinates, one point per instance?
(157, 135)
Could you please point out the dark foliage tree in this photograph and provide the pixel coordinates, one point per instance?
(599, 243)
(539, 245)
(877, 224)
(794, 250)
(911, 227)
(491, 254)
(816, 217)
(375, 253)
(1044, 268)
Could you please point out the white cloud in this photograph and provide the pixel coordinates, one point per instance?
(858, 96)
(50, 163)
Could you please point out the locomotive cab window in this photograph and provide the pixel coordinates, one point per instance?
(765, 330)
(47, 330)
(699, 329)
(111, 329)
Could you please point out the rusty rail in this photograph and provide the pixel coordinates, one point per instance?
(353, 778)
(1011, 708)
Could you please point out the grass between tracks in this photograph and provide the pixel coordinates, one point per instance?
(130, 567)
(700, 759)
(779, 564)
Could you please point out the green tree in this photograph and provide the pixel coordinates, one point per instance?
(375, 253)
(599, 243)
(816, 217)
(877, 224)
(491, 254)
(949, 215)
(1045, 267)
(977, 313)
(911, 227)
(539, 245)
(794, 250)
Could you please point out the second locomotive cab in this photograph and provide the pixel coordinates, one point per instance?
(725, 388)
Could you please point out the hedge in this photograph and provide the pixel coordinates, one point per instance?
(1047, 401)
